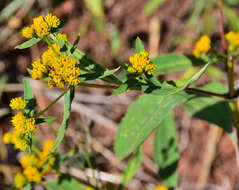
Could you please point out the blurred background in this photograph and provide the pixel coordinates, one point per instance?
(108, 30)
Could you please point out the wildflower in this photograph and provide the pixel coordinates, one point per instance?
(44, 155)
(19, 180)
(38, 69)
(49, 166)
(63, 69)
(32, 174)
(7, 138)
(27, 32)
(161, 187)
(52, 20)
(149, 69)
(23, 124)
(18, 103)
(233, 39)
(20, 140)
(28, 160)
(49, 56)
(140, 62)
(40, 27)
(63, 37)
(203, 45)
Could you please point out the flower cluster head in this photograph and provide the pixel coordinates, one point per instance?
(233, 40)
(202, 46)
(161, 187)
(60, 69)
(35, 165)
(140, 62)
(22, 126)
(42, 26)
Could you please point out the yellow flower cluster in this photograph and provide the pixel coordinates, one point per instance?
(18, 103)
(60, 69)
(42, 26)
(19, 180)
(141, 62)
(233, 40)
(22, 126)
(35, 165)
(161, 187)
(203, 45)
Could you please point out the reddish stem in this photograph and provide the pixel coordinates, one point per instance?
(222, 34)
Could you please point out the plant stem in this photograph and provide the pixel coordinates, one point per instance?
(97, 85)
(51, 104)
(50, 45)
(206, 93)
(230, 75)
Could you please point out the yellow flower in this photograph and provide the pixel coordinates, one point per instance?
(49, 56)
(233, 39)
(32, 174)
(63, 37)
(7, 138)
(203, 45)
(52, 20)
(18, 103)
(141, 62)
(44, 155)
(27, 32)
(38, 69)
(149, 69)
(89, 188)
(161, 187)
(20, 140)
(23, 124)
(19, 180)
(48, 144)
(28, 160)
(40, 27)
(63, 69)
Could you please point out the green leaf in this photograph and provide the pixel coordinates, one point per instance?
(45, 120)
(166, 155)
(96, 7)
(28, 43)
(28, 187)
(211, 109)
(66, 182)
(11, 8)
(122, 88)
(232, 18)
(171, 87)
(131, 168)
(142, 117)
(28, 95)
(174, 62)
(152, 6)
(68, 98)
(115, 40)
(139, 46)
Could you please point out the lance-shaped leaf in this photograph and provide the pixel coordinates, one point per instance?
(28, 43)
(44, 120)
(153, 5)
(139, 46)
(211, 109)
(165, 151)
(131, 168)
(28, 96)
(68, 98)
(144, 115)
(174, 62)
(171, 87)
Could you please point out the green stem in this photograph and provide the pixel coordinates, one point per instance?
(97, 85)
(51, 46)
(204, 92)
(51, 104)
